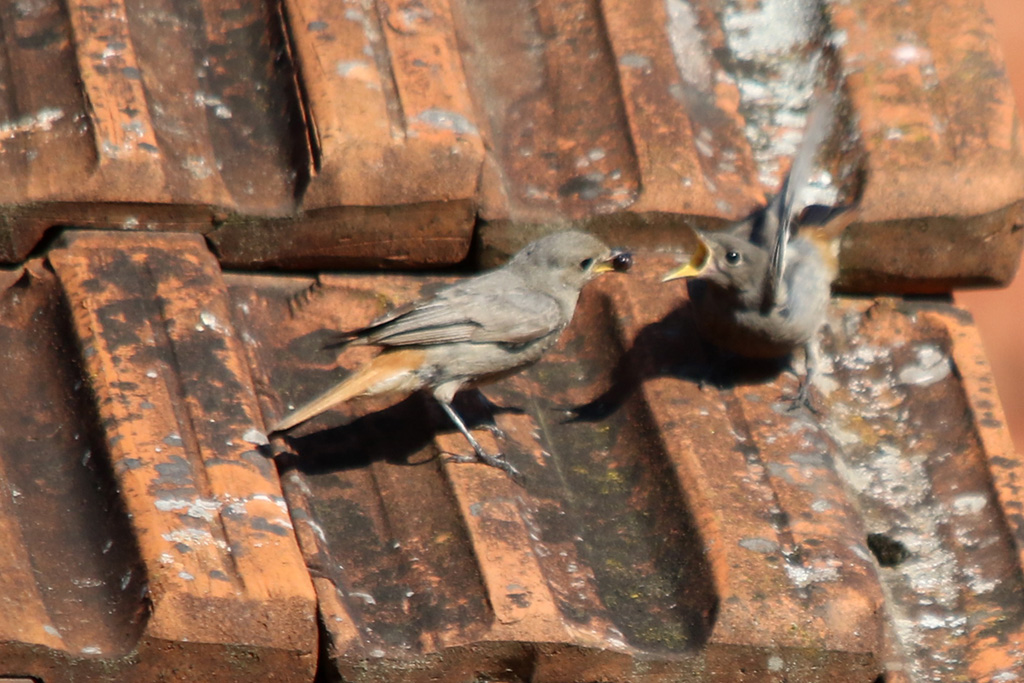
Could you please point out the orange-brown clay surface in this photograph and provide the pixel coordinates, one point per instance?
(263, 171)
(312, 134)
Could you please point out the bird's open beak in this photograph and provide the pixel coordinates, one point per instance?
(619, 261)
(695, 266)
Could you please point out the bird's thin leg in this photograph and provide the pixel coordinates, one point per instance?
(482, 455)
(803, 393)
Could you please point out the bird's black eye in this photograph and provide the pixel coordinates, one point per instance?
(586, 263)
(732, 257)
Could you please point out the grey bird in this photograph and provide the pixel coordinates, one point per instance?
(761, 288)
(474, 331)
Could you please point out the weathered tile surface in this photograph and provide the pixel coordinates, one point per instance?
(677, 519)
(145, 537)
(667, 528)
(312, 134)
(677, 522)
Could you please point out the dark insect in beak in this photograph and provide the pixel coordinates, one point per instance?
(622, 262)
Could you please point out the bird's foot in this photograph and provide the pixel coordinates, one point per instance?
(502, 464)
(497, 461)
(497, 431)
(481, 455)
(802, 399)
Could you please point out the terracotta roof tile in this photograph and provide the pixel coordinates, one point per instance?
(336, 134)
(144, 532)
(667, 527)
(677, 520)
(670, 529)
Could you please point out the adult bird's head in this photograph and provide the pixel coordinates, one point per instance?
(571, 258)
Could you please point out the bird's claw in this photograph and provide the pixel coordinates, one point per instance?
(497, 431)
(802, 399)
(502, 464)
(496, 461)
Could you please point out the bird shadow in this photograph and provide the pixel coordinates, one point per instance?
(672, 347)
(401, 434)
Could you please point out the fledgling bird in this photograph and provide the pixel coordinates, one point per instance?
(761, 288)
(474, 331)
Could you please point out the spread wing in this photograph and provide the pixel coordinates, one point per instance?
(792, 200)
(782, 220)
(481, 310)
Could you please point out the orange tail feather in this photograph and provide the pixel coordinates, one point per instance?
(390, 371)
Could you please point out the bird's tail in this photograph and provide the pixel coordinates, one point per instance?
(390, 371)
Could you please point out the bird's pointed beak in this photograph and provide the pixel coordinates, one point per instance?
(618, 261)
(695, 266)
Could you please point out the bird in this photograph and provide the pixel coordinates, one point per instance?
(472, 332)
(761, 288)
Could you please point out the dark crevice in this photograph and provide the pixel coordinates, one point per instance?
(887, 550)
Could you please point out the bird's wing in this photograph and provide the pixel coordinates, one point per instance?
(484, 310)
(782, 219)
(792, 200)
(360, 335)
